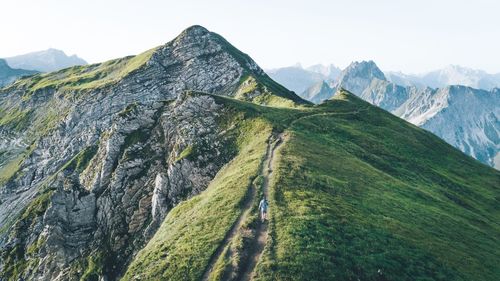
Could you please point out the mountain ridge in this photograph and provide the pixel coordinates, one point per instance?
(45, 61)
(138, 168)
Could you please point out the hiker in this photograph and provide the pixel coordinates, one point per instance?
(263, 209)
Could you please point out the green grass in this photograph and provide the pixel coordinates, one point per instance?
(14, 118)
(357, 194)
(17, 259)
(186, 153)
(191, 232)
(85, 77)
(370, 196)
(10, 169)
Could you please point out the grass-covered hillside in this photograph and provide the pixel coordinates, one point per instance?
(356, 194)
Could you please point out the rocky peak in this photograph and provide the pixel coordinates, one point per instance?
(367, 69)
(359, 75)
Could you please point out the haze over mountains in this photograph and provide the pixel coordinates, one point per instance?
(450, 75)
(9, 75)
(49, 60)
(44, 61)
(464, 116)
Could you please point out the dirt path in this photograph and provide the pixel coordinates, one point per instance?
(261, 231)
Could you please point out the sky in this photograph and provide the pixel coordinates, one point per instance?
(408, 36)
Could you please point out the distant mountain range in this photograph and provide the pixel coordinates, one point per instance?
(45, 61)
(299, 79)
(450, 75)
(9, 75)
(458, 104)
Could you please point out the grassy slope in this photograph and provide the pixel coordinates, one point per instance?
(365, 196)
(370, 196)
(191, 232)
(87, 76)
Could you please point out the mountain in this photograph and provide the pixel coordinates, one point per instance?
(9, 75)
(295, 78)
(358, 76)
(466, 118)
(457, 75)
(108, 149)
(403, 79)
(45, 61)
(329, 72)
(448, 76)
(318, 92)
(151, 167)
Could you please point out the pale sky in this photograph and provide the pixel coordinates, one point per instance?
(411, 36)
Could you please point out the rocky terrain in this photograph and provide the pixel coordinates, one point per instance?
(90, 170)
(150, 167)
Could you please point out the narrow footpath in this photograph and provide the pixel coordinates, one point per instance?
(261, 232)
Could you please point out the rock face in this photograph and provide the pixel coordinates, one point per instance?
(45, 61)
(91, 170)
(9, 75)
(318, 92)
(358, 76)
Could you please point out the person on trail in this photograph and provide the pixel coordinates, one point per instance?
(263, 209)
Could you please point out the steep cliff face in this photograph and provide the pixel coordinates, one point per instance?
(94, 157)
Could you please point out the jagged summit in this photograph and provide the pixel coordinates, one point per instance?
(195, 30)
(366, 69)
(358, 76)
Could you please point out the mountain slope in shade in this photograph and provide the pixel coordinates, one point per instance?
(9, 75)
(45, 61)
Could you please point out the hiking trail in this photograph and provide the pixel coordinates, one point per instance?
(247, 271)
(261, 231)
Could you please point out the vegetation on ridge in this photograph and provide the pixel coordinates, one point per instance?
(86, 76)
(357, 193)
